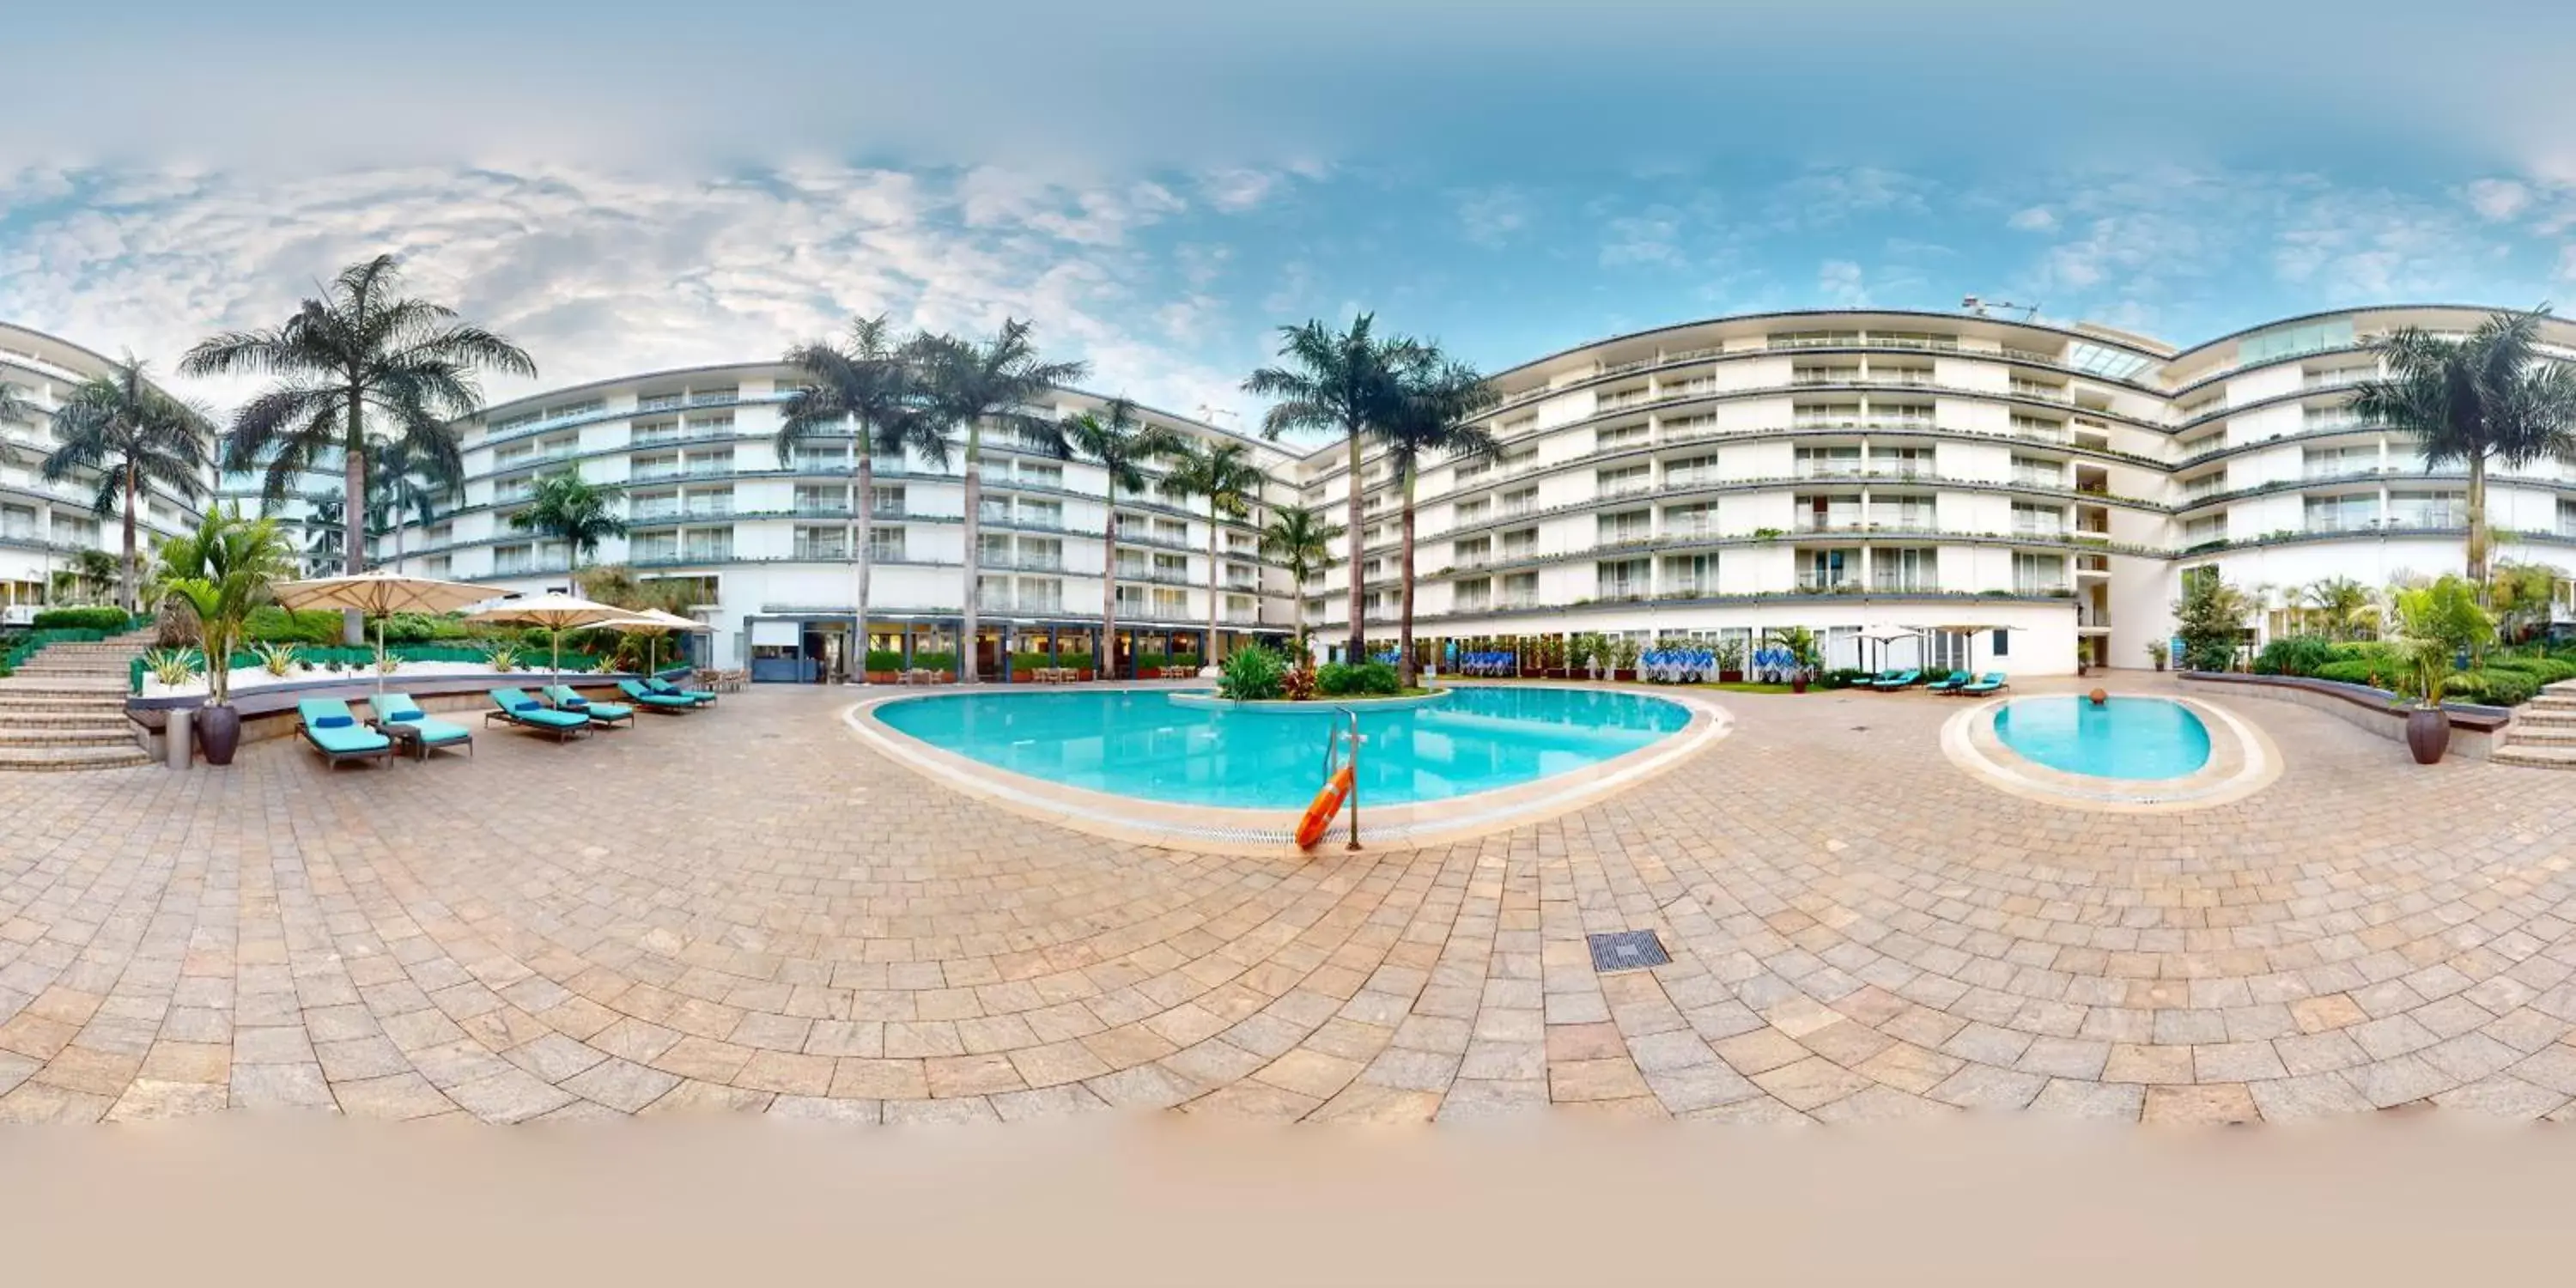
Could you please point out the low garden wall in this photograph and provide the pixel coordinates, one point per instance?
(2475, 730)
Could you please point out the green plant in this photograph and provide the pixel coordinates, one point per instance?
(127, 436)
(109, 620)
(1623, 654)
(1298, 685)
(276, 659)
(1801, 643)
(1364, 678)
(1301, 540)
(574, 510)
(1843, 677)
(270, 624)
(1769, 534)
(392, 662)
(930, 661)
(885, 659)
(501, 657)
(1730, 654)
(2437, 625)
(171, 666)
(2299, 655)
(2210, 621)
(2159, 652)
(1251, 675)
(223, 571)
(2492, 688)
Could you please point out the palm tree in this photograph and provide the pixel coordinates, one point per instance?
(1225, 475)
(877, 386)
(1301, 540)
(2339, 602)
(2489, 396)
(1435, 416)
(218, 575)
(132, 435)
(15, 405)
(407, 488)
(969, 384)
(1344, 383)
(1122, 444)
(573, 510)
(364, 348)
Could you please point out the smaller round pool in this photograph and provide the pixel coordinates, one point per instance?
(2141, 738)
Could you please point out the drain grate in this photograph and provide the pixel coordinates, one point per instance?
(1628, 950)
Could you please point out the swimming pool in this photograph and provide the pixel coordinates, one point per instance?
(1141, 743)
(2138, 738)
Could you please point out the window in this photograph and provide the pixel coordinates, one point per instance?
(1624, 578)
(1621, 482)
(1625, 526)
(2003, 641)
(1694, 471)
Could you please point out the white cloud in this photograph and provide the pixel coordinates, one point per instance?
(2567, 263)
(2034, 219)
(606, 274)
(1234, 191)
(2499, 199)
(1640, 240)
(1842, 283)
(1491, 217)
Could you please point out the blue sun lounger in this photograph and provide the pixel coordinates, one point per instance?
(1991, 681)
(399, 709)
(666, 703)
(667, 689)
(605, 714)
(327, 724)
(515, 707)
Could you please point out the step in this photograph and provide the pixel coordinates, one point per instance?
(90, 718)
(74, 685)
(2535, 757)
(62, 703)
(57, 759)
(2523, 733)
(2549, 701)
(68, 736)
(2528, 713)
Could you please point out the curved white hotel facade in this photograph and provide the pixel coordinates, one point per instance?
(1916, 487)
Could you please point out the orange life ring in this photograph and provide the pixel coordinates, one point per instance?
(1328, 803)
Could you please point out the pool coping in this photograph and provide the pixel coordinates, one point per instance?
(1228, 830)
(2243, 760)
(1211, 700)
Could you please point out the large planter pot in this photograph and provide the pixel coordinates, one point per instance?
(1623, 675)
(218, 733)
(1730, 677)
(2428, 734)
(1797, 684)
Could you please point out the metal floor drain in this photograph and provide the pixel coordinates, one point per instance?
(1627, 950)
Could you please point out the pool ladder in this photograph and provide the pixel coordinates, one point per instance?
(1346, 732)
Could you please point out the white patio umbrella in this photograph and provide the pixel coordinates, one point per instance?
(381, 594)
(553, 610)
(654, 623)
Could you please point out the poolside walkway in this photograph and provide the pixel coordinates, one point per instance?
(746, 909)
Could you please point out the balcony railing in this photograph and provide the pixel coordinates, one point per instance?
(1904, 586)
(1814, 581)
(811, 551)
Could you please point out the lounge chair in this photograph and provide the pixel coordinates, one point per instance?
(1899, 680)
(515, 707)
(669, 690)
(1991, 681)
(604, 714)
(649, 700)
(1948, 683)
(399, 709)
(327, 724)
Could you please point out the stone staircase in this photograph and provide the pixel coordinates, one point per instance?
(65, 709)
(2543, 732)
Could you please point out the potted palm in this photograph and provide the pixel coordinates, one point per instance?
(2437, 625)
(2159, 652)
(216, 576)
(1801, 644)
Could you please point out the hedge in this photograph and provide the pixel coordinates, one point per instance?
(111, 620)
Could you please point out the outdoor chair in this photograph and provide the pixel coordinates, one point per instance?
(605, 714)
(430, 733)
(515, 707)
(328, 726)
(665, 703)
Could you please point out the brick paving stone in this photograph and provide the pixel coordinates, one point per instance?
(2335, 942)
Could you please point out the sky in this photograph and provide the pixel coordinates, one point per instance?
(1160, 186)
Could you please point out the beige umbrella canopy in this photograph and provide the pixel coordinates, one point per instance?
(556, 612)
(655, 623)
(380, 594)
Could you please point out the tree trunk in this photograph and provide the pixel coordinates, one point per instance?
(353, 471)
(2477, 561)
(1210, 652)
(1404, 666)
(1359, 593)
(867, 508)
(1105, 658)
(974, 549)
(125, 574)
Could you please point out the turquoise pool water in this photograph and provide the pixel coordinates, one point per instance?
(2123, 738)
(1144, 744)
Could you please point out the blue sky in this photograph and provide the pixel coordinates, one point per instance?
(639, 185)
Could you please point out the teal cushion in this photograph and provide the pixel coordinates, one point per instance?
(335, 722)
(524, 707)
(404, 717)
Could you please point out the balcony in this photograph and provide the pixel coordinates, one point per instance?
(1828, 583)
(1905, 586)
(1850, 469)
(1839, 522)
(660, 402)
(822, 552)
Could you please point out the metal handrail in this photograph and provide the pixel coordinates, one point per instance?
(1333, 742)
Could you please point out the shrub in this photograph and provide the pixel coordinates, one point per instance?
(276, 659)
(82, 619)
(1843, 677)
(2546, 670)
(421, 628)
(934, 662)
(1074, 661)
(171, 666)
(274, 625)
(1251, 675)
(502, 658)
(1343, 679)
(1298, 685)
(2294, 655)
(2358, 671)
(885, 659)
(2491, 688)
